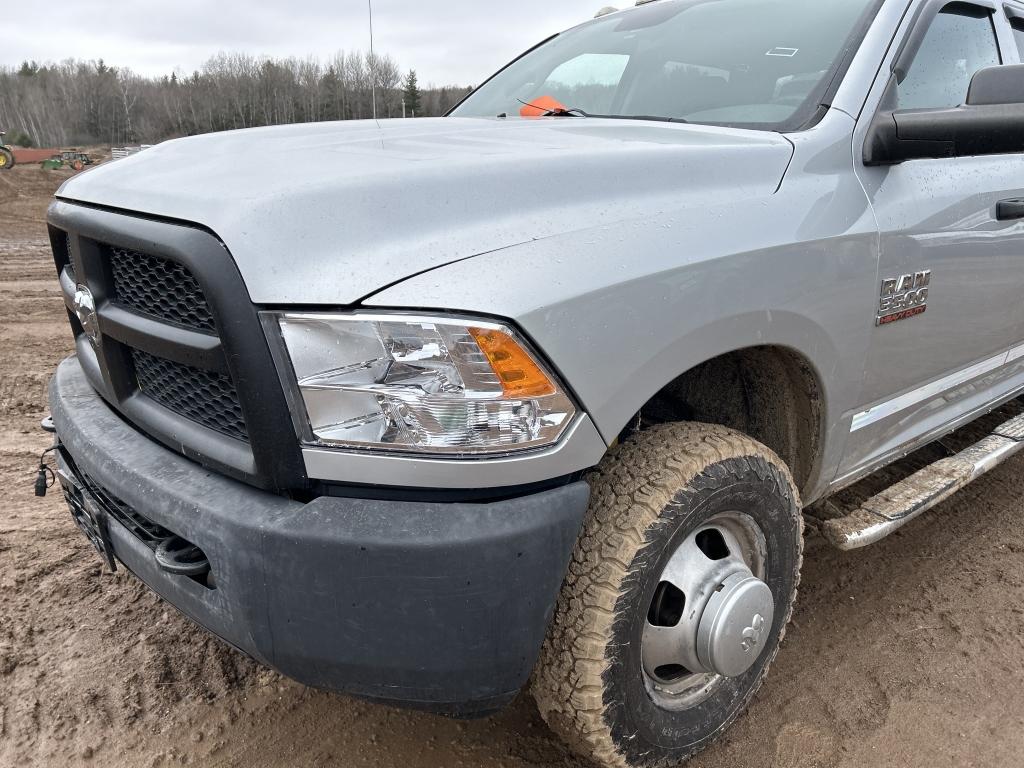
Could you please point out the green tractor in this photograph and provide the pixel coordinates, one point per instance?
(69, 159)
(6, 154)
(75, 159)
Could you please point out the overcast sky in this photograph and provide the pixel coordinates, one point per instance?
(446, 41)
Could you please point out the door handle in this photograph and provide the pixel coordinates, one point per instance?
(1010, 209)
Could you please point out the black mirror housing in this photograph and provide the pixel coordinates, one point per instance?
(997, 85)
(990, 123)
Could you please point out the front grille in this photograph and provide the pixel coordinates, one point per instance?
(168, 291)
(157, 288)
(206, 397)
(161, 288)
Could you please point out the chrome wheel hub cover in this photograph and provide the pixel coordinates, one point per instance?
(712, 612)
(735, 625)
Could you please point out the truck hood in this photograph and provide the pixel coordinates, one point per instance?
(330, 213)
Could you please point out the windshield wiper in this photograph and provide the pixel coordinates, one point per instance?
(555, 111)
(576, 112)
(649, 118)
(563, 112)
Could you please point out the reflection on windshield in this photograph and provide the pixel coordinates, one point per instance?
(755, 63)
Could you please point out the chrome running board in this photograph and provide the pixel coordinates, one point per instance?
(900, 503)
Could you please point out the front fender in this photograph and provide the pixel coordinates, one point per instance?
(623, 309)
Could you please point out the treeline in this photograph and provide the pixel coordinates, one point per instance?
(86, 102)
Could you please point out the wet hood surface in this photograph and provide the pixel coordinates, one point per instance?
(330, 213)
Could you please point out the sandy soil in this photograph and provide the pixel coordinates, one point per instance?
(907, 654)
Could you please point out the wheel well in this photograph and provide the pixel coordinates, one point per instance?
(769, 393)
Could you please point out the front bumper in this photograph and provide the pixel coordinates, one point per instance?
(435, 605)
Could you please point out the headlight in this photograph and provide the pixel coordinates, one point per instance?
(415, 384)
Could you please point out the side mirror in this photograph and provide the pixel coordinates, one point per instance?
(990, 123)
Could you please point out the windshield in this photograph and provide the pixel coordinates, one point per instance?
(745, 63)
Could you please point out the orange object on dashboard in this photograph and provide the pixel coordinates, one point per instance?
(541, 106)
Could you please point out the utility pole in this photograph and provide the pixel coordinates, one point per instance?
(373, 64)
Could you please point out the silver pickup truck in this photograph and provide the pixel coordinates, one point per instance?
(540, 392)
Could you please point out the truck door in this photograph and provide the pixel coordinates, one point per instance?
(949, 319)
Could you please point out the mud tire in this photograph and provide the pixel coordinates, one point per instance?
(648, 494)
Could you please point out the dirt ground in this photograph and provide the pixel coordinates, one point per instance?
(909, 654)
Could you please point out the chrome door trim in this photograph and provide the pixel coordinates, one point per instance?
(907, 400)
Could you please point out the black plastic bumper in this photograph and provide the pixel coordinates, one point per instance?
(442, 606)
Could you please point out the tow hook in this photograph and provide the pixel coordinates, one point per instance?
(181, 558)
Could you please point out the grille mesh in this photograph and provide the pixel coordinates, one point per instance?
(144, 529)
(65, 260)
(205, 397)
(159, 287)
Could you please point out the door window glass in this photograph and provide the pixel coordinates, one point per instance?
(960, 41)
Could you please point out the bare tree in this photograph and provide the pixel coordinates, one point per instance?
(128, 98)
(82, 102)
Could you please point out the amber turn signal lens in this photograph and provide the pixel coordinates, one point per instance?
(518, 373)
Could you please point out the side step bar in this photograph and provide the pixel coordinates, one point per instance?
(897, 505)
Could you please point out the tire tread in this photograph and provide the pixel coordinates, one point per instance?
(630, 488)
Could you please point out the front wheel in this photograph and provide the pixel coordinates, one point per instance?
(677, 597)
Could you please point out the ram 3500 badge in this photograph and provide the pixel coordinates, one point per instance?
(904, 297)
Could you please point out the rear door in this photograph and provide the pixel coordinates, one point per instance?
(949, 318)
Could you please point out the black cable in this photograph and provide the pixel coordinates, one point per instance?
(45, 477)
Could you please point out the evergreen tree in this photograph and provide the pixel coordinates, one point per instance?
(411, 94)
(331, 104)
